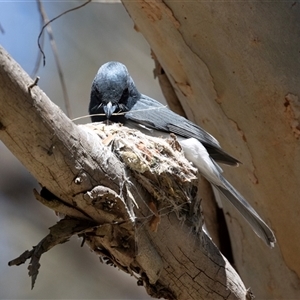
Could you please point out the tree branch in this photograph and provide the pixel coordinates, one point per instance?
(139, 193)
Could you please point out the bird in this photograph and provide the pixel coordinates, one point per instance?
(115, 97)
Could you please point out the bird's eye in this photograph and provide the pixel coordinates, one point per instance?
(124, 96)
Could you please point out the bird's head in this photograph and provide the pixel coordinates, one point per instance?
(113, 91)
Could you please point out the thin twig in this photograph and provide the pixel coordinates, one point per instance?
(35, 82)
(54, 48)
(39, 56)
(55, 53)
(117, 114)
(47, 23)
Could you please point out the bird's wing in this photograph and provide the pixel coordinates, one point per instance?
(153, 114)
(248, 212)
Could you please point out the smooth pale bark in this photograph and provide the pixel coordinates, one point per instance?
(235, 67)
(85, 180)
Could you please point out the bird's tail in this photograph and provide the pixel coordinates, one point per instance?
(248, 212)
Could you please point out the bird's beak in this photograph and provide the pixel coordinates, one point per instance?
(109, 109)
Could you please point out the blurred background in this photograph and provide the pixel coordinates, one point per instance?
(85, 38)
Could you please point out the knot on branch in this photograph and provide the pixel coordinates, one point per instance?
(106, 200)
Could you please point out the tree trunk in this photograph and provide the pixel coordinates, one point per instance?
(235, 68)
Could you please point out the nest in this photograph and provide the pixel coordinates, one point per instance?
(157, 164)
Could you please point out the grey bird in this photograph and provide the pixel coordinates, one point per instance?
(115, 97)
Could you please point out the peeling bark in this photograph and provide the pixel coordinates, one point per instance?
(235, 68)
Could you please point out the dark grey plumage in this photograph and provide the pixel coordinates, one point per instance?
(115, 97)
(114, 85)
